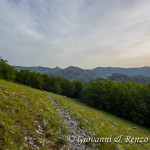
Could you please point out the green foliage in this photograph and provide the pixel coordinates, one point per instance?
(128, 100)
(124, 99)
(102, 124)
(6, 71)
(29, 78)
(77, 88)
(50, 83)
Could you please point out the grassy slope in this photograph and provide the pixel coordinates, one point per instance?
(105, 125)
(23, 111)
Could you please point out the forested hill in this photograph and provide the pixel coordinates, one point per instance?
(102, 72)
(75, 73)
(105, 72)
(117, 77)
(139, 75)
(39, 69)
(71, 73)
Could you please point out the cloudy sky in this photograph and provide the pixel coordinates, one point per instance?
(83, 33)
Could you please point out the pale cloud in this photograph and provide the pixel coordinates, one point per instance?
(82, 33)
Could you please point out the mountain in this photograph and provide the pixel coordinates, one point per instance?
(75, 73)
(105, 72)
(117, 77)
(71, 73)
(139, 75)
(39, 69)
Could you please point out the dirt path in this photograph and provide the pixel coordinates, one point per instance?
(76, 134)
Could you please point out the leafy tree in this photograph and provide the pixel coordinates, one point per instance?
(77, 88)
(67, 87)
(6, 71)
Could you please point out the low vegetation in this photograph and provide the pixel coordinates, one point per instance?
(124, 99)
(106, 125)
(28, 120)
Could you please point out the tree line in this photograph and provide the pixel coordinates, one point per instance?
(125, 99)
(40, 81)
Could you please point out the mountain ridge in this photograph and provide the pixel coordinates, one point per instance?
(108, 71)
(139, 74)
(117, 77)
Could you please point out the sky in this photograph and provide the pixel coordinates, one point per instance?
(82, 33)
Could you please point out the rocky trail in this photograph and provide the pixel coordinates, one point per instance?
(77, 134)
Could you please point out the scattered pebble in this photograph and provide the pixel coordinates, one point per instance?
(2, 87)
(73, 126)
(135, 128)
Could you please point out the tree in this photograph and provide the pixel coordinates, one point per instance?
(77, 88)
(6, 71)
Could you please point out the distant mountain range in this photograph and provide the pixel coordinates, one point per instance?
(39, 69)
(117, 77)
(71, 73)
(139, 75)
(105, 72)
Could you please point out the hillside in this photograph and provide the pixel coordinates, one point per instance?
(105, 72)
(34, 119)
(39, 69)
(71, 73)
(117, 77)
(28, 119)
(139, 75)
(75, 73)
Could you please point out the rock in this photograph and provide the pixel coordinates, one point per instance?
(72, 125)
(2, 87)
(44, 124)
(38, 132)
(26, 99)
(135, 128)
(25, 139)
(5, 92)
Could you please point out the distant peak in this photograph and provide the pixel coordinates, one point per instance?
(72, 67)
(57, 67)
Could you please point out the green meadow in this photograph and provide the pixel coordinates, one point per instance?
(28, 120)
(105, 125)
